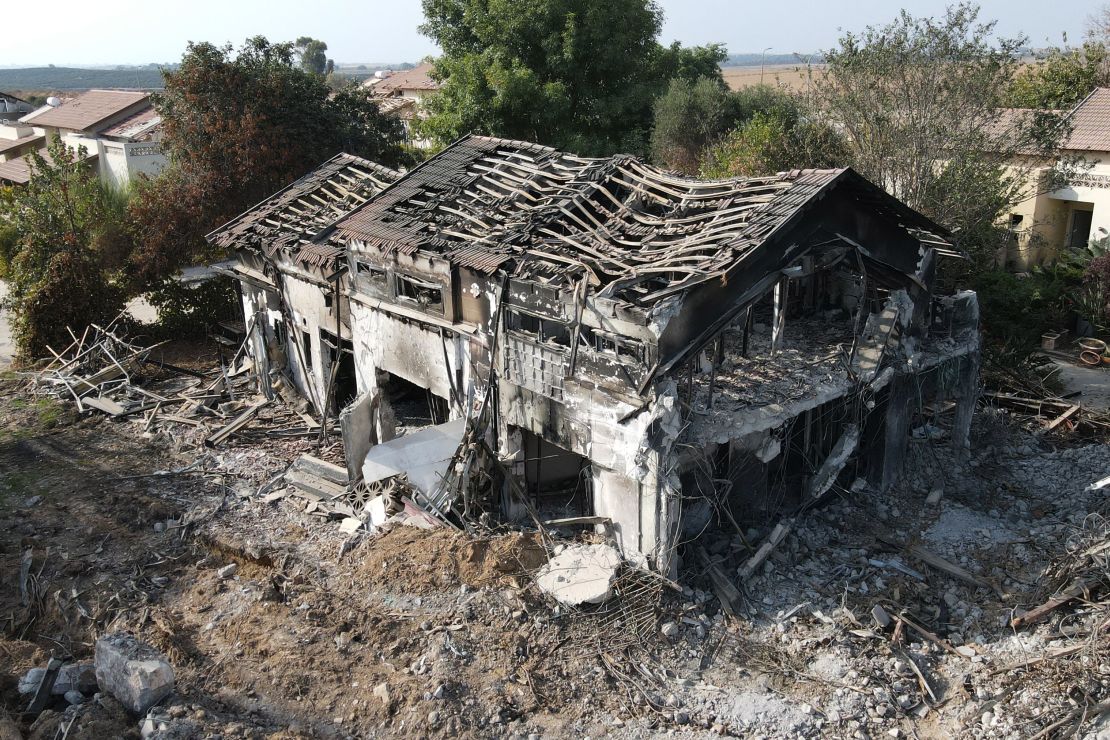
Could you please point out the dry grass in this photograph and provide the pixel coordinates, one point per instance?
(792, 76)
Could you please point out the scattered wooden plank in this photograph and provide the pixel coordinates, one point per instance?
(107, 405)
(1052, 654)
(1062, 418)
(573, 520)
(1037, 614)
(930, 636)
(235, 425)
(723, 587)
(766, 548)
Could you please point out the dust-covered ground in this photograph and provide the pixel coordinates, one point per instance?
(410, 633)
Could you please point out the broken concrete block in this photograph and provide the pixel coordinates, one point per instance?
(880, 616)
(135, 673)
(350, 525)
(382, 692)
(29, 683)
(76, 677)
(934, 496)
(670, 629)
(580, 574)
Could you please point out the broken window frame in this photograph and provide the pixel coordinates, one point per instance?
(547, 332)
(377, 277)
(403, 281)
(624, 349)
(306, 345)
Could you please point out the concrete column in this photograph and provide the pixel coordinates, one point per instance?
(967, 396)
(896, 431)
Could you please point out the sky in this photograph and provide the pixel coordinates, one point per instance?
(367, 31)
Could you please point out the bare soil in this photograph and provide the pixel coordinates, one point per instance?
(414, 633)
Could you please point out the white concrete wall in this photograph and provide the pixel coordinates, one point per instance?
(1093, 187)
(408, 350)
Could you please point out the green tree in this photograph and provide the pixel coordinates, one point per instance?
(689, 117)
(581, 75)
(62, 263)
(921, 104)
(237, 126)
(774, 140)
(313, 56)
(1062, 79)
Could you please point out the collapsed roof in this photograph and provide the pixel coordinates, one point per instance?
(634, 231)
(295, 220)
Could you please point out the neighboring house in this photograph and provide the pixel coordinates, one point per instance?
(12, 107)
(296, 314)
(402, 95)
(544, 335)
(119, 129)
(16, 139)
(1068, 218)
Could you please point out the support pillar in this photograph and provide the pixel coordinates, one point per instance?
(967, 397)
(896, 431)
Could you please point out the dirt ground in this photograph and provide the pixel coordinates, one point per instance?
(413, 633)
(791, 76)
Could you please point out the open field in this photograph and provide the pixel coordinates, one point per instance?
(793, 76)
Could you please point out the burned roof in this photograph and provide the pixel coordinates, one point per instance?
(289, 220)
(632, 229)
(91, 110)
(139, 126)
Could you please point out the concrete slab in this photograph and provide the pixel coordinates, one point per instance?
(580, 574)
(1093, 383)
(423, 456)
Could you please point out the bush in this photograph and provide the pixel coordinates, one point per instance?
(193, 309)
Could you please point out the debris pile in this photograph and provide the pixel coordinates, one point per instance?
(102, 371)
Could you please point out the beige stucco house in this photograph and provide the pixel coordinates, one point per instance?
(119, 130)
(1051, 221)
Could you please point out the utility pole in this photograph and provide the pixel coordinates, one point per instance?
(762, 59)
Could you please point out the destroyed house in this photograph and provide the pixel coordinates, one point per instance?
(292, 284)
(602, 342)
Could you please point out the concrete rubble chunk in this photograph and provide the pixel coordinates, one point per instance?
(29, 683)
(580, 574)
(135, 673)
(76, 677)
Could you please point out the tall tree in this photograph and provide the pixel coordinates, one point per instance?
(689, 117)
(313, 55)
(921, 104)
(237, 127)
(581, 75)
(1061, 79)
(61, 265)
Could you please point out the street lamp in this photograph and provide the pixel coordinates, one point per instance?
(761, 60)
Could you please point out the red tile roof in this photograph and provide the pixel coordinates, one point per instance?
(417, 78)
(1091, 123)
(6, 145)
(90, 110)
(18, 170)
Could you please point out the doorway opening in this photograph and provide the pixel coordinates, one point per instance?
(412, 407)
(558, 481)
(340, 370)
